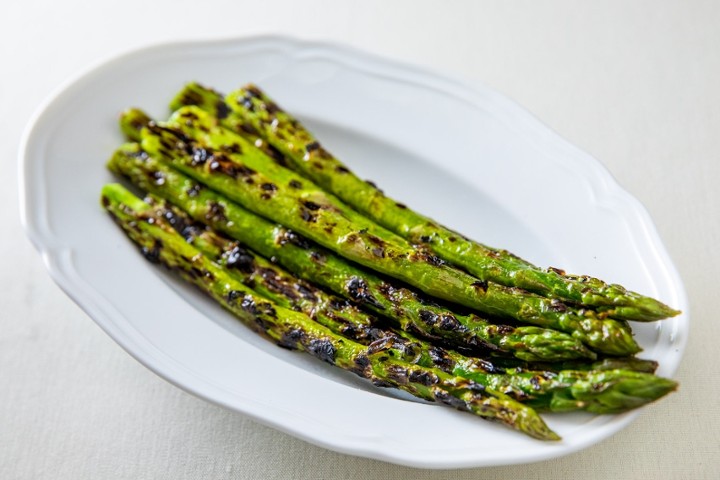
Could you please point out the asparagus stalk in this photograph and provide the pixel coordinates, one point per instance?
(595, 391)
(213, 102)
(337, 275)
(633, 364)
(290, 329)
(345, 232)
(280, 129)
(269, 280)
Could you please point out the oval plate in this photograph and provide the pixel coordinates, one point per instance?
(467, 156)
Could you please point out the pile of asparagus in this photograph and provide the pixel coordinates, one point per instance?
(243, 202)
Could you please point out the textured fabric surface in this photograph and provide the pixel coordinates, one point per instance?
(633, 83)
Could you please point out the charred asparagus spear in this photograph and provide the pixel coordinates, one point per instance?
(334, 273)
(280, 129)
(296, 203)
(607, 391)
(290, 329)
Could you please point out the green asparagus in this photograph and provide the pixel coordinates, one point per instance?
(595, 391)
(337, 275)
(290, 329)
(327, 221)
(280, 129)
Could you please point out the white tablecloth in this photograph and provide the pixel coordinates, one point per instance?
(637, 84)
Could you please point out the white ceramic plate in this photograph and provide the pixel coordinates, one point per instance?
(466, 156)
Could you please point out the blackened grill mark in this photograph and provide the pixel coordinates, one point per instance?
(500, 329)
(401, 205)
(248, 304)
(239, 258)
(253, 91)
(423, 377)
(194, 190)
(557, 306)
(246, 102)
(233, 148)
(422, 255)
(490, 367)
(381, 383)
(341, 169)
(152, 253)
(397, 374)
(307, 216)
(387, 291)
(295, 184)
(358, 290)
(221, 110)
(306, 291)
(290, 339)
(474, 386)
(376, 240)
(434, 260)
(480, 285)
(381, 345)
(323, 349)
(311, 205)
(291, 237)
(220, 163)
(271, 107)
(362, 364)
(248, 128)
(268, 189)
(447, 399)
(559, 271)
(191, 97)
(441, 359)
(188, 230)
(138, 123)
(444, 321)
(158, 130)
(338, 303)
(289, 289)
(190, 116)
(216, 212)
(234, 295)
(310, 147)
(372, 184)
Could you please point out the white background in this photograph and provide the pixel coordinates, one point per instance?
(636, 84)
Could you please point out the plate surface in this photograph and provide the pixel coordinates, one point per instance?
(466, 156)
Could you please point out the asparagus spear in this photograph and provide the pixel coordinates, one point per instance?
(337, 275)
(290, 329)
(633, 364)
(611, 391)
(280, 129)
(326, 220)
(338, 314)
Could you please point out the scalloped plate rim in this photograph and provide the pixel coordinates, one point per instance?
(55, 257)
